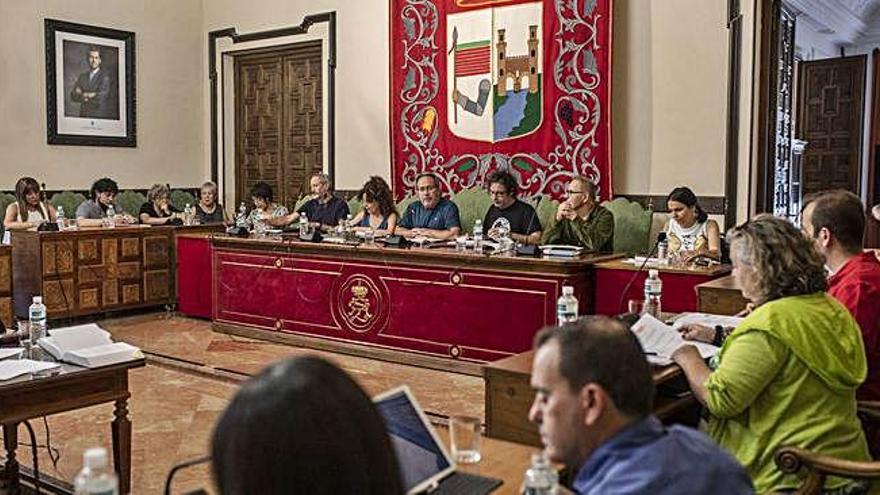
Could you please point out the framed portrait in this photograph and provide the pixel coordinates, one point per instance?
(90, 85)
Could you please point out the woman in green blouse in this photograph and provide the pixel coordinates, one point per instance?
(787, 375)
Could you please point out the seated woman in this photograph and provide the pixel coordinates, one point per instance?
(787, 375)
(208, 210)
(689, 231)
(158, 209)
(303, 426)
(265, 210)
(91, 212)
(379, 213)
(29, 210)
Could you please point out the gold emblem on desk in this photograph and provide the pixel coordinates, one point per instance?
(358, 304)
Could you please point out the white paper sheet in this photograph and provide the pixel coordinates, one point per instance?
(706, 319)
(11, 368)
(10, 352)
(660, 341)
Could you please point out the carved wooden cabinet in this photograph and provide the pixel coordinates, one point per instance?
(92, 271)
(6, 285)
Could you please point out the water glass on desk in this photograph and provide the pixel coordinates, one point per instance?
(369, 236)
(24, 334)
(464, 435)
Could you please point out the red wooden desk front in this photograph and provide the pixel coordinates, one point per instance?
(194, 276)
(679, 286)
(434, 302)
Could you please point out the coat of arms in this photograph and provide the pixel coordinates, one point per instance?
(494, 72)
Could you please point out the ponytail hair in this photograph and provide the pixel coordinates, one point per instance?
(687, 197)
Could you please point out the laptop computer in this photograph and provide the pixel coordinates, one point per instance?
(425, 464)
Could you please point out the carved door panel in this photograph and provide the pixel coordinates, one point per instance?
(831, 96)
(279, 120)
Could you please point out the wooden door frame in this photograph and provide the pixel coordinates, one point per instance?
(301, 29)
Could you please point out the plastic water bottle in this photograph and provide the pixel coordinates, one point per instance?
(653, 291)
(37, 317)
(566, 306)
(96, 478)
(478, 235)
(59, 217)
(540, 478)
(303, 225)
(241, 218)
(187, 214)
(110, 217)
(663, 251)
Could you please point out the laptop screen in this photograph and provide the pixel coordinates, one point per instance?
(420, 456)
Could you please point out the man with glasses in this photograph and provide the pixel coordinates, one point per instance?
(581, 221)
(432, 215)
(508, 213)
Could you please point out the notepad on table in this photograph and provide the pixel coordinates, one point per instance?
(660, 341)
(11, 368)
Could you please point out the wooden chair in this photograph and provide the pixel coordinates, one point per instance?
(792, 460)
(632, 225)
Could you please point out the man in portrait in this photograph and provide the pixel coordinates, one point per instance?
(92, 88)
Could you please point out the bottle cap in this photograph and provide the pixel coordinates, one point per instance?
(38, 299)
(653, 273)
(567, 290)
(96, 457)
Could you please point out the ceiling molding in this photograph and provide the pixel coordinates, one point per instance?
(844, 17)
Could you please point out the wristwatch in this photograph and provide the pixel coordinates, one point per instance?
(721, 334)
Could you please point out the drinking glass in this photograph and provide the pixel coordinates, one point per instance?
(636, 306)
(461, 243)
(24, 334)
(369, 237)
(464, 435)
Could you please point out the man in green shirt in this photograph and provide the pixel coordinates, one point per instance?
(580, 220)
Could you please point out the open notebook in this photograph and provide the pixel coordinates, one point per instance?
(87, 345)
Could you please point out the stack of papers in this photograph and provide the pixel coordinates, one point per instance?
(10, 352)
(561, 250)
(11, 368)
(87, 345)
(660, 341)
(706, 319)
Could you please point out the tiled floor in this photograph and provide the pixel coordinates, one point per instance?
(178, 396)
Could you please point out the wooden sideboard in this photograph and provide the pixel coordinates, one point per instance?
(6, 286)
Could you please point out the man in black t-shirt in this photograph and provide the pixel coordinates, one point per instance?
(520, 218)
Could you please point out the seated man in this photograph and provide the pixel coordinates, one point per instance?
(432, 215)
(324, 210)
(508, 213)
(835, 220)
(91, 212)
(581, 221)
(593, 399)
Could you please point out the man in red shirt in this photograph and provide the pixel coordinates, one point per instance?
(836, 221)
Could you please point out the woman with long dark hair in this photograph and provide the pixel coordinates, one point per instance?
(303, 426)
(379, 213)
(30, 208)
(689, 231)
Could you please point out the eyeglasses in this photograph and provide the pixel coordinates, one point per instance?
(426, 188)
(572, 193)
(497, 193)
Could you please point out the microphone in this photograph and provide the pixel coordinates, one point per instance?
(530, 249)
(661, 236)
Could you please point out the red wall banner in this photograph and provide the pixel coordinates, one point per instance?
(519, 85)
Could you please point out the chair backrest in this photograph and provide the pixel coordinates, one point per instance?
(68, 200)
(546, 210)
(472, 205)
(130, 202)
(182, 198)
(355, 205)
(632, 225)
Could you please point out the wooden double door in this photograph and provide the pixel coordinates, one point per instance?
(279, 120)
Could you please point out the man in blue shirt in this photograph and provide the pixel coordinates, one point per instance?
(593, 402)
(324, 210)
(432, 215)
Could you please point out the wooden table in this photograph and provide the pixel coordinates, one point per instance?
(509, 397)
(720, 296)
(679, 283)
(431, 307)
(71, 388)
(95, 270)
(501, 459)
(6, 286)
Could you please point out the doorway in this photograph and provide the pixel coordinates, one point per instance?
(278, 120)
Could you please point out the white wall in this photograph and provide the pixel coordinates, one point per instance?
(169, 46)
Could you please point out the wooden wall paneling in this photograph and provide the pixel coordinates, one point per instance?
(303, 123)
